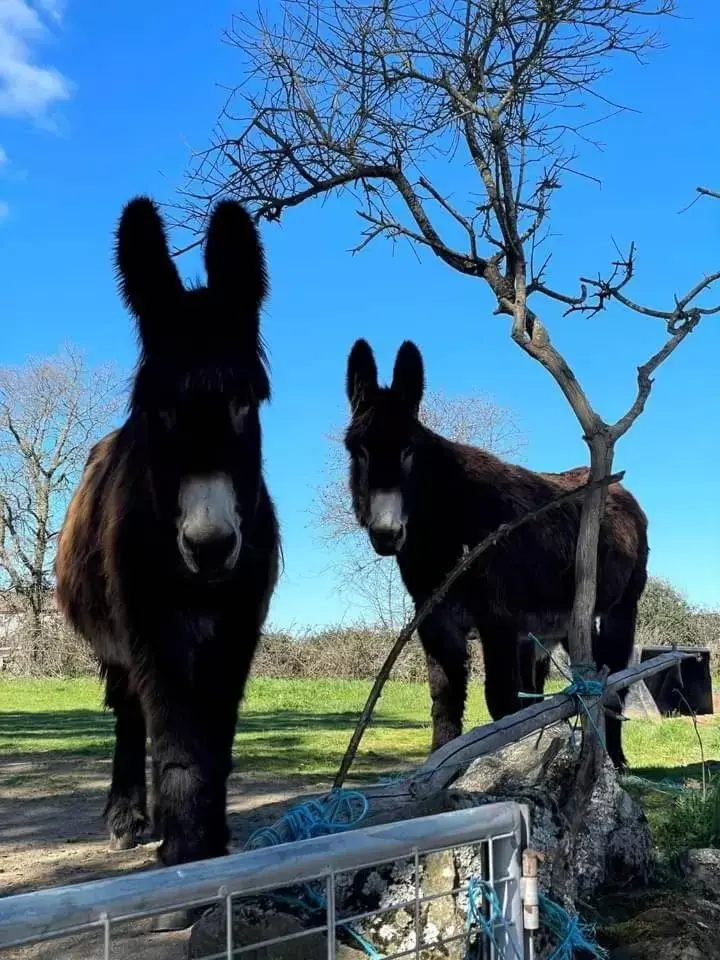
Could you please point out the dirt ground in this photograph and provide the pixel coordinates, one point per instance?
(51, 833)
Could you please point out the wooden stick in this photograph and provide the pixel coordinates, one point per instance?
(444, 765)
(503, 531)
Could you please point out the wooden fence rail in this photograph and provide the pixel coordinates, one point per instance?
(446, 764)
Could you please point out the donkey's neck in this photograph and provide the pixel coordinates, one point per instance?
(459, 493)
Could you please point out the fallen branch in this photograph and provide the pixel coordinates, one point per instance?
(461, 567)
(417, 792)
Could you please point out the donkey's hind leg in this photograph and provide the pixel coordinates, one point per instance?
(533, 666)
(155, 832)
(126, 807)
(612, 647)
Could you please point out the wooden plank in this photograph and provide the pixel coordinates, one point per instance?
(446, 764)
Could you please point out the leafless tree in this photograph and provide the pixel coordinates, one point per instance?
(51, 411)
(371, 582)
(453, 123)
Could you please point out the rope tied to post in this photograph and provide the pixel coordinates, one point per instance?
(579, 687)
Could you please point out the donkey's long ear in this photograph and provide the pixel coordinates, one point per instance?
(361, 381)
(234, 258)
(237, 282)
(148, 279)
(408, 376)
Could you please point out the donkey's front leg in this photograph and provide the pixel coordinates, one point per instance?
(190, 799)
(444, 638)
(125, 810)
(190, 740)
(502, 668)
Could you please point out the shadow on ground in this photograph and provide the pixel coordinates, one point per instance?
(689, 772)
(271, 744)
(55, 771)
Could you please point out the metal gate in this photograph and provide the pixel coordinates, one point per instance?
(479, 880)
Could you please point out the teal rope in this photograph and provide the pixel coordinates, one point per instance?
(570, 931)
(479, 890)
(336, 812)
(578, 686)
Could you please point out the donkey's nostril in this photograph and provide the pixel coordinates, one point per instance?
(210, 554)
(386, 540)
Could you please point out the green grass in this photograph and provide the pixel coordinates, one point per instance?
(691, 821)
(301, 727)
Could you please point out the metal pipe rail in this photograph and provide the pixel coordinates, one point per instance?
(51, 913)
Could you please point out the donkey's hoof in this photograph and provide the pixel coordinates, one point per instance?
(122, 841)
(177, 919)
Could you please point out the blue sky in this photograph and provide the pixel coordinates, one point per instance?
(102, 100)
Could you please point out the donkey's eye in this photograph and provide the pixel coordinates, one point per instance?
(406, 459)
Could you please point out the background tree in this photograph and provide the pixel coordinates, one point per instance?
(51, 411)
(665, 615)
(399, 104)
(373, 583)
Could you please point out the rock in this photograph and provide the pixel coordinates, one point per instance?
(251, 924)
(701, 872)
(442, 919)
(614, 837)
(672, 949)
(675, 928)
(391, 889)
(613, 842)
(639, 703)
(260, 920)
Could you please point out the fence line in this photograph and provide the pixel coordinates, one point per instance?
(98, 905)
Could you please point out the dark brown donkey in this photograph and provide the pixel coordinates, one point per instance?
(423, 499)
(168, 555)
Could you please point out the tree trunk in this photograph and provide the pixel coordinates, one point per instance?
(583, 615)
(40, 549)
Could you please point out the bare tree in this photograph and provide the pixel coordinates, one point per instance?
(373, 582)
(452, 122)
(51, 411)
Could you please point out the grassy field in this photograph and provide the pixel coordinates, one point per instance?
(302, 727)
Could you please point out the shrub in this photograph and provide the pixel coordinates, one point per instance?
(354, 653)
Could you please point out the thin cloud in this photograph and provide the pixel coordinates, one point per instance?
(3, 158)
(54, 9)
(28, 89)
(4, 210)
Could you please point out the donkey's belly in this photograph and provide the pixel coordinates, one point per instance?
(547, 626)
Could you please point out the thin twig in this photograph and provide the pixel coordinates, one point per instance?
(683, 699)
(467, 560)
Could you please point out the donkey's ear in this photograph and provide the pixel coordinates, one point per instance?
(148, 279)
(234, 258)
(408, 376)
(361, 379)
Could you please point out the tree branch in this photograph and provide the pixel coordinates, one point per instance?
(706, 192)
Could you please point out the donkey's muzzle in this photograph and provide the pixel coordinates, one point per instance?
(211, 555)
(387, 541)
